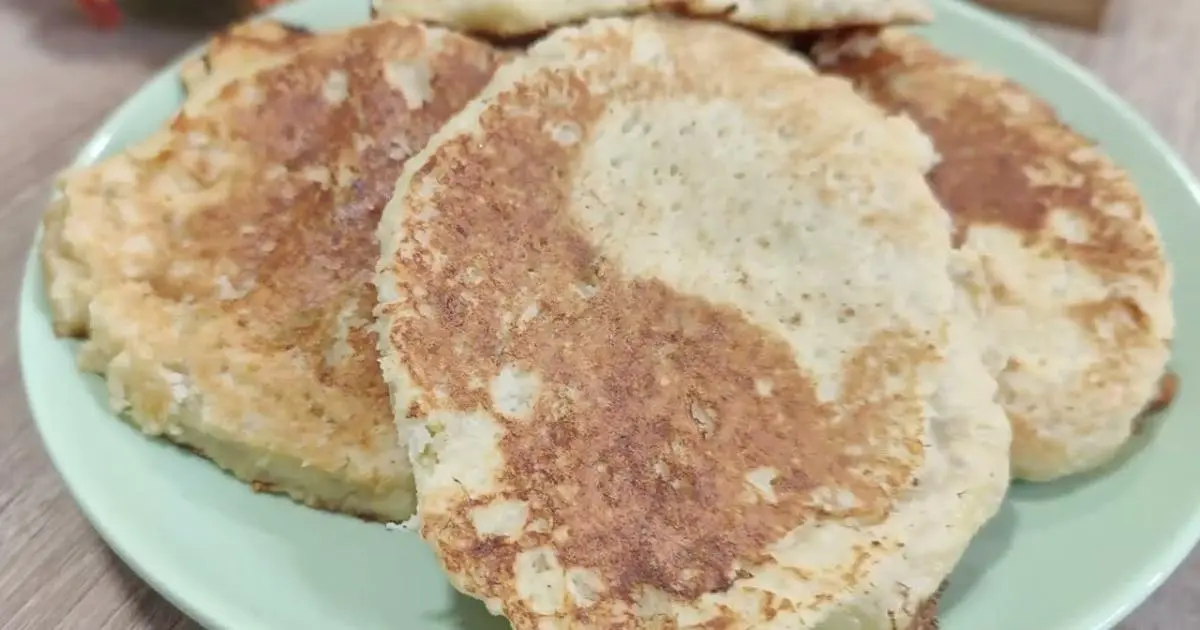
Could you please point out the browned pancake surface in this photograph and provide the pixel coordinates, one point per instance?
(223, 268)
(1083, 249)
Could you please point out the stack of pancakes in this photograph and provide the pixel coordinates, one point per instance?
(658, 319)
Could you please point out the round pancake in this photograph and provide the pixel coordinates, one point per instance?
(670, 321)
(1075, 286)
(242, 49)
(221, 269)
(510, 17)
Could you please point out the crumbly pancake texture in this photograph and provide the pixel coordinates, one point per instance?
(221, 270)
(670, 320)
(513, 17)
(1074, 284)
(243, 49)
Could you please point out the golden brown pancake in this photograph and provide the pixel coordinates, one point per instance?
(1074, 288)
(670, 322)
(221, 269)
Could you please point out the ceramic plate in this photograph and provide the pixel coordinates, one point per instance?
(1067, 556)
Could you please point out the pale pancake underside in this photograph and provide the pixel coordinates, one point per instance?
(670, 319)
(517, 17)
(221, 269)
(1074, 287)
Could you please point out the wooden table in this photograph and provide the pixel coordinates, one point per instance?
(59, 78)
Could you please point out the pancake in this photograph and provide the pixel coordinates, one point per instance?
(513, 17)
(670, 321)
(1075, 287)
(221, 269)
(243, 49)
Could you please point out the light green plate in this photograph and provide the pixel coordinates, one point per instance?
(1070, 556)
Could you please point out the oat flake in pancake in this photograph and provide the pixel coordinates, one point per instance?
(670, 322)
(221, 269)
(1074, 287)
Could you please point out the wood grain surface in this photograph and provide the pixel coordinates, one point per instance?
(58, 78)
(1087, 14)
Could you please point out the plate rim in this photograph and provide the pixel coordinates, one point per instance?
(196, 601)
(123, 547)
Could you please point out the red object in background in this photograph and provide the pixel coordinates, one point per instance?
(107, 14)
(102, 13)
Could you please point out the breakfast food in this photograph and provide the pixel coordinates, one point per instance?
(513, 17)
(669, 322)
(221, 269)
(1075, 286)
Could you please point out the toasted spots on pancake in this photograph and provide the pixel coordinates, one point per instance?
(252, 230)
